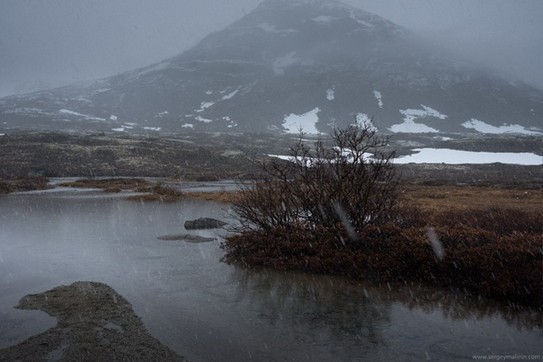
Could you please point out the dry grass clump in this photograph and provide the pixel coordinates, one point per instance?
(495, 253)
(158, 193)
(23, 184)
(451, 197)
(153, 192)
(110, 184)
(226, 197)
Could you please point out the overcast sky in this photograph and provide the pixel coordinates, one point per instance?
(56, 42)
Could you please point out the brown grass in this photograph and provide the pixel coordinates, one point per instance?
(492, 239)
(23, 184)
(440, 198)
(153, 192)
(226, 197)
(111, 184)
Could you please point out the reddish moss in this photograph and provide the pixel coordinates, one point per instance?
(497, 265)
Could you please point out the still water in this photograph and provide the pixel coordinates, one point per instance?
(209, 311)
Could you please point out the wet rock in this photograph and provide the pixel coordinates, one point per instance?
(189, 238)
(94, 323)
(204, 223)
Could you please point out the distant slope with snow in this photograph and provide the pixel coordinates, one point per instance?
(288, 64)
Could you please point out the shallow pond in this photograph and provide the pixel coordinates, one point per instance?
(209, 311)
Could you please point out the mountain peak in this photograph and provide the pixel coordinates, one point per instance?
(324, 12)
(296, 3)
(286, 62)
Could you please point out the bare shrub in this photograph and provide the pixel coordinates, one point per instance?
(345, 182)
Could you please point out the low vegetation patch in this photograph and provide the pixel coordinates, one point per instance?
(503, 263)
(23, 184)
(334, 210)
(150, 191)
(111, 184)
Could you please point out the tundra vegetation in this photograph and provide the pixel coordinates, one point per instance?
(338, 208)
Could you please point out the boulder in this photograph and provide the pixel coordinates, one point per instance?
(204, 223)
(188, 238)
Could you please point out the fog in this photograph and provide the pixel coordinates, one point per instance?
(46, 44)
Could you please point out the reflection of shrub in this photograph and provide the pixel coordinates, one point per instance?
(325, 185)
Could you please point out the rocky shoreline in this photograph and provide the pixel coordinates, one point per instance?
(95, 323)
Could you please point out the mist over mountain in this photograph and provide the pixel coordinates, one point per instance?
(292, 64)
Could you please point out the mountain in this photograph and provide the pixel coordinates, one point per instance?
(292, 63)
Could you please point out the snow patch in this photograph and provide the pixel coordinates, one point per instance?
(230, 95)
(86, 116)
(113, 118)
(153, 128)
(456, 157)
(280, 64)
(204, 120)
(306, 122)
(209, 92)
(162, 114)
(120, 129)
(361, 22)
(204, 106)
(283, 157)
(483, 127)
(331, 94)
(323, 19)
(410, 115)
(82, 99)
(379, 98)
(268, 28)
(349, 154)
(412, 127)
(231, 124)
(67, 111)
(187, 125)
(363, 120)
(345, 153)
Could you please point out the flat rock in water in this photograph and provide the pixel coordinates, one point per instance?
(204, 223)
(94, 323)
(188, 238)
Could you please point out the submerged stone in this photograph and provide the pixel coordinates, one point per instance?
(189, 238)
(204, 223)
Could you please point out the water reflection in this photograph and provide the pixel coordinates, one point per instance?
(365, 305)
(340, 309)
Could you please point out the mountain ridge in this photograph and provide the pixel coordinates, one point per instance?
(312, 63)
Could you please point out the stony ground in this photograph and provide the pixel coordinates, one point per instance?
(212, 156)
(95, 323)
